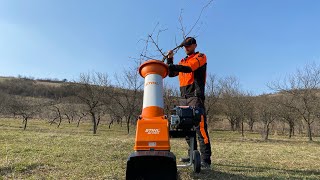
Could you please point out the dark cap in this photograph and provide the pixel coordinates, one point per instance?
(189, 41)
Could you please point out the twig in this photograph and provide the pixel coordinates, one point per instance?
(146, 56)
(160, 31)
(204, 7)
(181, 25)
(174, 49)
(150, 36)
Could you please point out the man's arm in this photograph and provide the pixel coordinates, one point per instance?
(175, 69)
(197, 61)
(193, 64)
(179, 68)
(172, 73)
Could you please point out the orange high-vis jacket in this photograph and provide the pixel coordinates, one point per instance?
(192, 74)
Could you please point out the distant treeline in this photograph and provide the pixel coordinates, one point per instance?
(294, 108)
(32, 88)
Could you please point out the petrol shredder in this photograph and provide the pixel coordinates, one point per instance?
(152, 158)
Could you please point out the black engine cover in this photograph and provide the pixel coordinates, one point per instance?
(189, 116)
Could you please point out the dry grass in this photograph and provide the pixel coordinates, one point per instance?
(47, 152)
(2, 78)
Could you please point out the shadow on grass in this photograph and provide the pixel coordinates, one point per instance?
(270, 141)
(292, 141)
(277, 171)
(214, 174)
(19, 168)
(239, 172)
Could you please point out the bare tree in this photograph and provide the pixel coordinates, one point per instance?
(268, 113)
(170, 97)
(115, 116)
(238, 106)
(80, 117)
(70, 112)
(230, 100)
(251, 112)
(73, 109)
(4, 98)
(301, 89)
(126, 96)
(26, 107)
(56, 108)
(92, 92)
(213, 91)
(287, 113)
(244, 103)
(153, 38)
(80, 112)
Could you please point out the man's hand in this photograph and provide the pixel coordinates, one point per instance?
(170, 54)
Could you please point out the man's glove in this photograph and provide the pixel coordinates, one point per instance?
(170, 57)
(169, 61)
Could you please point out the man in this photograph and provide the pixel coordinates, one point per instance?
(192, 77)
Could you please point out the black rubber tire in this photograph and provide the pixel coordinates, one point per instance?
(151, 168)
(196, 161)
(152, 176)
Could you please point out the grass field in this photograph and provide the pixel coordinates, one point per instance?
(68, 152)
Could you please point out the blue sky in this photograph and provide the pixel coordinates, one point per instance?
(256, 41)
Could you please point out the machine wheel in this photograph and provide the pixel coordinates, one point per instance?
(196, 161)
(153, 176)
(159, 165)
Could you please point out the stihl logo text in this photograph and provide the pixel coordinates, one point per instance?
(152, 83)
(152, 131)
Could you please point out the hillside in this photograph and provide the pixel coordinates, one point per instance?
(45, 88)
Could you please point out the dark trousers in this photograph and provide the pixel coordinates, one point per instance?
(201, 129)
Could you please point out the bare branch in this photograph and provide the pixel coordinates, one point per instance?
(204, 7)
(182, 28)
(160, 31)
(148, 57)
(160, 50)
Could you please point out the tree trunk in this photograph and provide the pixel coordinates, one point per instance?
(251, 122)
(25, 123)
(232, 124)
(291, 129)
(266, 132)
(242, 133)
(237, 123)
(78, 122)
(51, 122)
(128, 124)
(94, 122)
(98, 121)
(309, 131)
(68, 117)
(80, 119)
(300, 129)
(111, 122)
(60, 119)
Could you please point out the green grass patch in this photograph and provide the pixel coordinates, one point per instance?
(44, 151)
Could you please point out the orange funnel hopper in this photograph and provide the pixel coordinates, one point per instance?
(152, 158)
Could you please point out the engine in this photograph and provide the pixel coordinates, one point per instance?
(185, 117)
